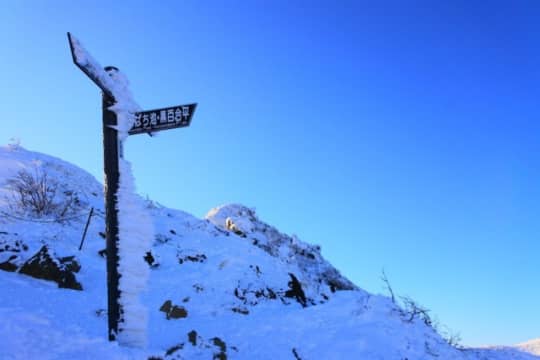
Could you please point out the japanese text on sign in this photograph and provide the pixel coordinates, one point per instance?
(162, 119)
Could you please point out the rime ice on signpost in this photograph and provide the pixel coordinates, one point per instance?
(128, 227)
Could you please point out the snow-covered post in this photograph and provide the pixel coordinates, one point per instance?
(111, 169)
(129, 229)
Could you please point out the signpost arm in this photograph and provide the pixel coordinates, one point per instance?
(111, 154)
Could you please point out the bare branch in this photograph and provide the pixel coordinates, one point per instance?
(388, 287)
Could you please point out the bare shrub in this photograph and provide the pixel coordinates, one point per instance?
(388, 287)
(409, 310)
(412, 310)
(34, 193)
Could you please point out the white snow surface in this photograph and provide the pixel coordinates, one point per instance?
(234, 287)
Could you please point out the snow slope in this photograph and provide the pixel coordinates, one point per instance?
(531, 346)
(227, 286)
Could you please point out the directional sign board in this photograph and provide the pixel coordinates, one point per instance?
(162, 119)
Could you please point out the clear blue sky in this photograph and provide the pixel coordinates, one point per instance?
(402, 135)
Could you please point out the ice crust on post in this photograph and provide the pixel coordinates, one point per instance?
(135, 228)
(92, 68)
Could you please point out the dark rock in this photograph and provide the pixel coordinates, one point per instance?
(296, 291)
(307, 254)
(242, 311)
(45, 266)
(200, 258)
(11, 250)
(166, 307)
(151, 260)
(271, 294)
(222, 354)
(8, 265)
(173, 311)
(337, 284)
(239, 233)
(71, 263)
(174, 349)
(256, 269)
(217, 346)
(192, 337)
(177, 312)
(246, 295)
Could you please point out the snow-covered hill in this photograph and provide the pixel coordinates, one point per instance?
(531, 346)
(225, 287)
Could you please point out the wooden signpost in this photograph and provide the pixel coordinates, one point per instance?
(146, 122)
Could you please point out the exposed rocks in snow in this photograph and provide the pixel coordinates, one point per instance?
(295, 291)
(161, 239)
(313, 269)
(151, 259)
(11, 243)
(44, 265)
(11, 249)
(9, 264)
(174, 349)
(198, 288)
(240, 310)
(173, 311)
(199, 258)
(198, 347)
(256, 269)
(71, 263)
(230, 225)
(252, 296)
(220, 344)
(192, 337)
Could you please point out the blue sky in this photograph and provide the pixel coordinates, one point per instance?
(397, 135)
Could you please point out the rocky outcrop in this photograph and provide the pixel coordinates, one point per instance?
(214, 348)
(46, 266)
(314, 279)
